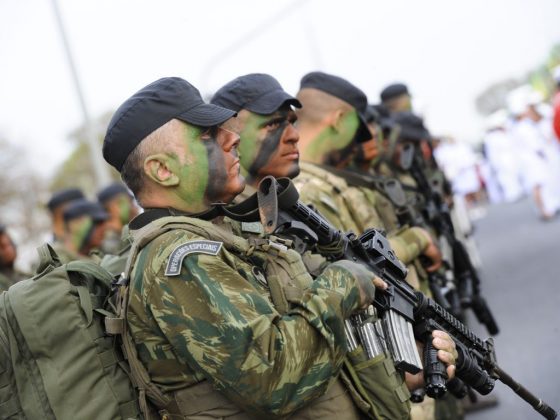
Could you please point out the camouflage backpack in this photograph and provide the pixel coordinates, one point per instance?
(56, 362)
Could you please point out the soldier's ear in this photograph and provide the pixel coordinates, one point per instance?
(336, 119)
(162, 169)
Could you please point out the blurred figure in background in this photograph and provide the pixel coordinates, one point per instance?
(121, 208)
(460, 165)
(8, 254)
(396, 98)
(502, 158)
(56, 205)
(535, 156)
(84, 230)
(556, 102)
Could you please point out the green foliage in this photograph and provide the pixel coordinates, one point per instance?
(77, 170)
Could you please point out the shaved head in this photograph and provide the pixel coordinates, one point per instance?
(316, 105)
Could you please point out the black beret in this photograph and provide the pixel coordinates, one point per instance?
(344, 90)
(150, 108)
(258, 93)
(412, 126)
(83, 207)
(64, 196)
(111, 191)
(393, 91)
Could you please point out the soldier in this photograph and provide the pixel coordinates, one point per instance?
(265, 118)
(396, 98)
(84, 230)
(119, 205)
(330, 127)
(56, 205)
(203, 318)
(8, 254)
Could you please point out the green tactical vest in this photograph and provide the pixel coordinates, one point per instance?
(287, 277)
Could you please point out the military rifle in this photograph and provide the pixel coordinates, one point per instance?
(408, 313)
(436, 211)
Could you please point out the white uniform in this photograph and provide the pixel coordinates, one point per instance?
(500, 153)
(537, 162)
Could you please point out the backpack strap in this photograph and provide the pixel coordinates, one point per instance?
(92, 269)
(48, 258)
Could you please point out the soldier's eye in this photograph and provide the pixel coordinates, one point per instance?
(209, 133)
(274, 124)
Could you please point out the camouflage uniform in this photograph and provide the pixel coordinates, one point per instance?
(356, 209)
(215, 321)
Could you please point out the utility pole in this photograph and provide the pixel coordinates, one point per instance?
(99, 166)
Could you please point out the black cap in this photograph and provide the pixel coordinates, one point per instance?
(64, 196)
(150, 108)
(257, 92)
(384, 116)
(83, 207)
(393, 91)
(111, 191)
(371, 114)
(344, 90)
(412, 126)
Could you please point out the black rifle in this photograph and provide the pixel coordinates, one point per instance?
(441, 283)
(281, 213)
(437, 214)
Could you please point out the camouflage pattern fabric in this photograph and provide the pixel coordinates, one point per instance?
(213, 319)
(353, 209)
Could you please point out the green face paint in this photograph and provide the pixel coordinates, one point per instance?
(321, 148)
(250, 140)
(81, 230)
(266, 148)
(193, 172)
(125, 208)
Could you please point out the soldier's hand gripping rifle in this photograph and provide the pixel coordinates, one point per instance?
(437, 213)
(408, 313)
(441, 282)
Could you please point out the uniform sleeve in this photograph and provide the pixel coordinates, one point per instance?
(225, 328)
(409, 244)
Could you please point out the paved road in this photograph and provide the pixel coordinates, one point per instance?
(521, 275)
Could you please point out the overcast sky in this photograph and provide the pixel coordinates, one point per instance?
(446, 51)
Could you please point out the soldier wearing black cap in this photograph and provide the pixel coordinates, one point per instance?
(396, 98)
(269, 143)
(118, 202)
(56, 206)
(330, 125)
(8, 254)
(84, 223)
(265, 118)
(207, 329)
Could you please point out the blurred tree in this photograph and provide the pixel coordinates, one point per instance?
(77, 169)
(494, 96)
(22, 198)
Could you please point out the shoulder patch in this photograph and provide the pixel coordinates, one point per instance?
(192, 247)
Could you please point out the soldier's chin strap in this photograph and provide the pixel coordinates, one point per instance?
(257, 207)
